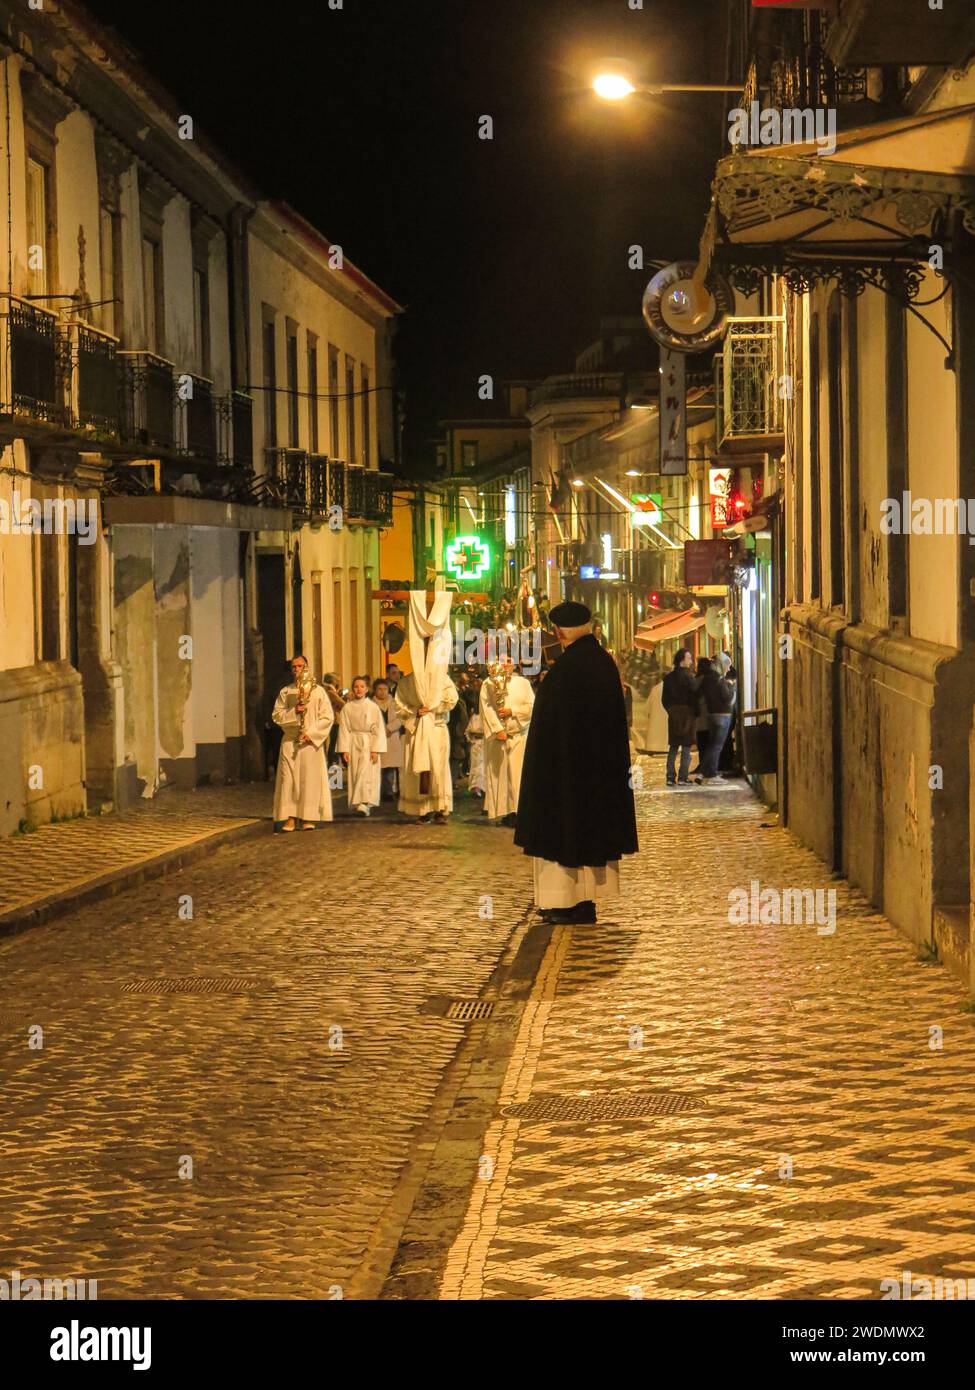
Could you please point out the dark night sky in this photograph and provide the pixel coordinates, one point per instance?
(506, 252)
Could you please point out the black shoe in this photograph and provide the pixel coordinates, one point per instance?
(670, 783)
(583, 914)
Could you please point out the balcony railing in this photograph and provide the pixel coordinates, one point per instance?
(33, 366)
(287, 475)
(94, 406)
(199, 419)
(317, 477)
(748, 386)
(578, 386)
(355, 493)
(242, 428)
(379, 498)
(336, 485)
(148, 401)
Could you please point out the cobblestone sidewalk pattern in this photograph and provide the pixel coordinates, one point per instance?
(833, 1147)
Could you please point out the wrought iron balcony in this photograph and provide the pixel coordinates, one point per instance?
(94, 406)
(336, 484)
(379, 498)
(148, 401)
(33, 363)
(793, 71)
(317, 475)
(242, 427)
(287, 477)
(355, 493)
(199, 419)
(748, 386)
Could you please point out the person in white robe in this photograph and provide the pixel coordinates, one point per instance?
(301, 791)
(475, 737)
(505, 727)
(426, 788)
(391, 761)
(361, 741)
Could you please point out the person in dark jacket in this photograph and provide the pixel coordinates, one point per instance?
(720, 690)
(457, 729)
(576, 816)
(679, 697)
(702, 726)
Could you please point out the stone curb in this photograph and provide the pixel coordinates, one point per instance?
(31, 914)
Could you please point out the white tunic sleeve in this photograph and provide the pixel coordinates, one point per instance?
(521, 699)
(283, 713)
(342, 742)
(377, 741)
(489, 714)
(318, 717)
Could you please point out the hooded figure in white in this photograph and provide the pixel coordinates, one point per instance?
(301, 787)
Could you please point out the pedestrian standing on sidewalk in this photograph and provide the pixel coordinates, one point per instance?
(576, 816)
(679, 698)
(301, 789)
(720, 689)
(391, 761)
(362, 738)
(702, 724)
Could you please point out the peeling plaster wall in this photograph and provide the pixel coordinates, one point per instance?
(135, 639)
(174, 672)
(77, 204)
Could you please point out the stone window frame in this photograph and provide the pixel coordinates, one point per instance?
(44, 108)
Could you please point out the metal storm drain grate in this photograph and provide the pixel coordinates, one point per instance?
(607, 1107)
(464, 1010)
(192, 984)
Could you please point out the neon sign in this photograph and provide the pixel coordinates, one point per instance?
(468, 557)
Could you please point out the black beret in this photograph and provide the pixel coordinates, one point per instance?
(570, 615)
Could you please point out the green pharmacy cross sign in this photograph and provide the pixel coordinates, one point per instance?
(468, 557)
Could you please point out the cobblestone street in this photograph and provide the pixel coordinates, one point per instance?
(815, 1139)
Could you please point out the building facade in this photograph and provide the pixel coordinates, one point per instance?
(166, 535)
(863, 254)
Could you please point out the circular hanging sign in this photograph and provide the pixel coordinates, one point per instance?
(682, 318)
(393, 637)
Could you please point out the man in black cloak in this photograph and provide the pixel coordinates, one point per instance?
(575, 813)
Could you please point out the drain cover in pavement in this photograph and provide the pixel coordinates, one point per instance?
(192, 984)
(606, 1107)
(467, 1009)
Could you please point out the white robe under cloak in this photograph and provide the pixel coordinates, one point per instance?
(301, 787)
(362, 733)
(503, 758)
(440, 796)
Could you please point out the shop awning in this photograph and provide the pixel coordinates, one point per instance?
(664, 627)
(792, 210)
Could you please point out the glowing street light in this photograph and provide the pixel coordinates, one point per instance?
(612, 86)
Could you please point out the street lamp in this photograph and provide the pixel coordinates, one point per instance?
(613, 86)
